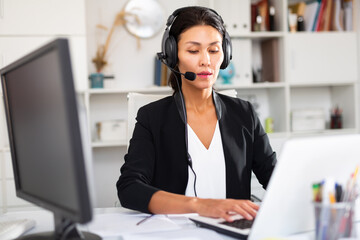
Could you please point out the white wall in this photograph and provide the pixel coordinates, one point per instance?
(357, 17)
(25, 26)
(132, 67)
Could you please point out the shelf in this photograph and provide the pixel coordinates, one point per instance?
(5, 149)
(319, 33)
(260, 35)
(252, 85)
(109, 144)
(324, 132)
(321, 84)
(169, 90)
(152, 89)
(278, 135)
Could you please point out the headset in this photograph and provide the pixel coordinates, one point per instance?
(169, 54)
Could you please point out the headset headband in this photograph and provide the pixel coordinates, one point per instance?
(172, 17)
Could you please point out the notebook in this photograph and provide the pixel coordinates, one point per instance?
(287, 205)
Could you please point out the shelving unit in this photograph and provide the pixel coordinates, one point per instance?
(312, 72)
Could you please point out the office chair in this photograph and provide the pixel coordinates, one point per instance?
(137, 100)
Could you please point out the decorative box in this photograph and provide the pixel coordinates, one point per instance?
(111, 130)
(308, 120)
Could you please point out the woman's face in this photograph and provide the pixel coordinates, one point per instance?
(200, 51)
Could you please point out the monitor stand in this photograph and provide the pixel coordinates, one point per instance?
(65, 229)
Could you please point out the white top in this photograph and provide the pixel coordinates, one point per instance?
(209, 166)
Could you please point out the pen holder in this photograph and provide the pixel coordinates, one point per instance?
(334, 221)
(336, 121)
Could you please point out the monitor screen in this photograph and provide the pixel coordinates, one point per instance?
(45, 134)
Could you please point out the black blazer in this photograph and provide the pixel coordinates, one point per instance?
(157, 158)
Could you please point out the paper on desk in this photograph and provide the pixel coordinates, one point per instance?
(115, 224)
(183, 234)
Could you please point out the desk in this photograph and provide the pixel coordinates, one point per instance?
(119, 224)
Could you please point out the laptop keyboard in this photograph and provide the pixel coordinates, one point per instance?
(240, 223)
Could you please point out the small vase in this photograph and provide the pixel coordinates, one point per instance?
(227, 74)
(96, 80)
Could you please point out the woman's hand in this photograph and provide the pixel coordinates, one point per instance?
(169, 203)
(225, 208)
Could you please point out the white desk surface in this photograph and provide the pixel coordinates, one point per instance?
(120, 223)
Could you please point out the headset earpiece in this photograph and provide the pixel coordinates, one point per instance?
(171, 51)
(227, 49)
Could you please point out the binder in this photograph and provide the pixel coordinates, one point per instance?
(270, 60)
(157, 77)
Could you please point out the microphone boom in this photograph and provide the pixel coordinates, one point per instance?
(191, 76)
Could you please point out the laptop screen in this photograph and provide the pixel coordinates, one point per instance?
(287, 204)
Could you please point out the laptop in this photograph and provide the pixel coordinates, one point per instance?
(287, 205)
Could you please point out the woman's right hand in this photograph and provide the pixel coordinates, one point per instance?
(169, 203)
(225, 208)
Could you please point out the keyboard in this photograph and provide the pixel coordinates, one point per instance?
(14, 228)
(240, 223)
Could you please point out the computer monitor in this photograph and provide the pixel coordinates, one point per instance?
(45, 138)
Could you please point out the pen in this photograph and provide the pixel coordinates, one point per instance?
(332, 198)
(143, 220)
(316, 189)
(328, 187)
(351, 185)
(338, 192)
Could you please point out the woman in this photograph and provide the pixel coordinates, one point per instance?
(205, 165)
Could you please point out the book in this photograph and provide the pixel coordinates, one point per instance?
(316, 16)
(323, 14)
(348, 15)
(337, 23)
(263, 7)
(260, 16)
(161, 73)
(270, 60)
(253, 16)
(328, 16)
(310, 14)
(355, 15)
(272, 13)
(157, 77)
(164, 74)
(319, 19)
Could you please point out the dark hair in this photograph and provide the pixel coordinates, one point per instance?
(190, 17)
